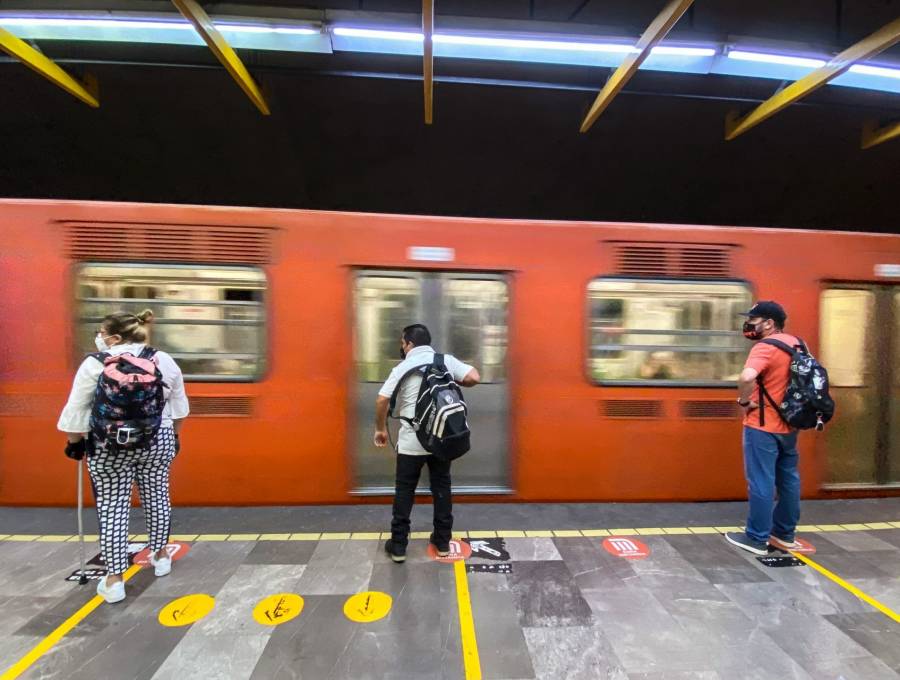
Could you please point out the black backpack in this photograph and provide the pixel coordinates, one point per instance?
(806, 402)
(440, 417)
(128, 401)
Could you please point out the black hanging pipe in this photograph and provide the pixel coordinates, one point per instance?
(578, 9)
(838, 20)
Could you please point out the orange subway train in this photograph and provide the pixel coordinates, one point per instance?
(609, 351)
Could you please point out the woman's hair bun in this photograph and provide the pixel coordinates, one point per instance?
(145, 317)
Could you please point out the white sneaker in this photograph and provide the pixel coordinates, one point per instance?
(112, 594)
(162, 565)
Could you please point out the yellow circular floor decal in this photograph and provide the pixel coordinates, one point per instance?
(277, 609)
(367, 607)
(186, 610)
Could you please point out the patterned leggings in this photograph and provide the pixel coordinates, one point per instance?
(113, 474)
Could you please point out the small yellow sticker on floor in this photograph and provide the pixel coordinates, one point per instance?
(186, 610)
(367, 607)
(278, 609)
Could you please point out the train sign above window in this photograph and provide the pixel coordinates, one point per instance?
(430, 254)
(891, 271)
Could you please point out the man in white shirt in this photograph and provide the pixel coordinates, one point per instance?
(415, 349)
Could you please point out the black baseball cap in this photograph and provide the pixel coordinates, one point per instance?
(767, 309)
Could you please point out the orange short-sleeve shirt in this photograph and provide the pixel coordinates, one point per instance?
(774, 367)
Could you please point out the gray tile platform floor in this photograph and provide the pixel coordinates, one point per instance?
(694, 608)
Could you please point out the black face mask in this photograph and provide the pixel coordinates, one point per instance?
(753, 331)
(402, 353)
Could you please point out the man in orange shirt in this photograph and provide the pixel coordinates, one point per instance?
(770, 444)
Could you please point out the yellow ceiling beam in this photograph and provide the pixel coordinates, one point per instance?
(865, 48)
(872, 134)
(194, 13)
(428, 61)
(37, 62)
(655, 32)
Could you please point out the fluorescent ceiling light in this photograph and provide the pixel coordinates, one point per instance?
(532, 44)
(95, 23)
(150, 24)
(378, 34)
(883, 71)
(684, 51)
(484, 41)
(776, 59)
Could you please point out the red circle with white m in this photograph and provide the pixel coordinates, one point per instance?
(626, 546)
(459, 550)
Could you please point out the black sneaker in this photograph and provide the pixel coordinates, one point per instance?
(744, 542)
(442, 548)
(397, 553)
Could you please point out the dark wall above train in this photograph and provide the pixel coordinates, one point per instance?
(346, 129)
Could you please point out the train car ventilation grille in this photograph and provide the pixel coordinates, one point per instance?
(709, 409)
(112, 241)
(631, 408)
(241, 407)
(674, 260)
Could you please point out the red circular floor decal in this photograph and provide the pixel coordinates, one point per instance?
(177, 550)
(459, 550)
(626, 546)
(806, 547)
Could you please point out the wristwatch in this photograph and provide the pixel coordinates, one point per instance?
(743, 403)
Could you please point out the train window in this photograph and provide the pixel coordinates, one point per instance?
(384, 305)
(476, 325)
(846, 316)
(210, 319)
(666, 332)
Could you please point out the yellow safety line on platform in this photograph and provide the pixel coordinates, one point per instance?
(848, 586)
(47, 643)
(500, 533)
(466, 623)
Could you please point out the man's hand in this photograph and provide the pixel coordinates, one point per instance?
(381, 438)
(752, 405)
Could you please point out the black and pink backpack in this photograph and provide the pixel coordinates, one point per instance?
(128, 401)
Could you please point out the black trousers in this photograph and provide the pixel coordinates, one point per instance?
(408, 470)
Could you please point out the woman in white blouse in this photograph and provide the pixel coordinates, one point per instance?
(114, 470)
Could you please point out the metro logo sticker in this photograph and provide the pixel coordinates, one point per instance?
(626, 546)
(176, 550)
(459, 550)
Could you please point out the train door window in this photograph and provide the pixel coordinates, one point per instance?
(467, 317)
(384, 305)
(210, 319)
(665, 332)
(476, 325)
(858, 347)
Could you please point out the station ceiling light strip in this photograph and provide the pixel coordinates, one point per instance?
(655, 32)
(285, 35)
(219, 46)
(880, 40)
(49, 69)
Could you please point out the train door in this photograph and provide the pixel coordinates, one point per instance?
(860, 347)
(467, 316)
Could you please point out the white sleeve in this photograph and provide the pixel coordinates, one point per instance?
(390, 384)
(76, 415)
(457, 368)
(177, 398)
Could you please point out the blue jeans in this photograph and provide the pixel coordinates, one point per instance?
(770, 465)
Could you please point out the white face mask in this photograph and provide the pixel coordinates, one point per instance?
(100, 343)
